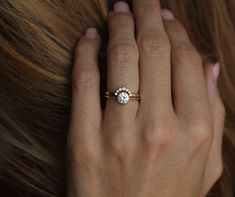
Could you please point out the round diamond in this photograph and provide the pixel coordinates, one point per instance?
(123, 97)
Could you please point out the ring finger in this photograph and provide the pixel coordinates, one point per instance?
(122, 63)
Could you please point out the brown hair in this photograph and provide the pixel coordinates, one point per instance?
(37, 40)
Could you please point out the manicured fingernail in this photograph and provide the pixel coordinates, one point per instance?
(91, 32)
(167, 14)
(121, 6)
(212, 80)
(216, 71)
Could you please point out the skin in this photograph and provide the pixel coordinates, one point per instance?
(168, 144)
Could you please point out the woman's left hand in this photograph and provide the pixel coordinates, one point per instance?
(185, 54)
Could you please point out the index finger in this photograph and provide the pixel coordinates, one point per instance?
(86, 109)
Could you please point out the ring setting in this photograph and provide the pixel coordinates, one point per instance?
(123, 95)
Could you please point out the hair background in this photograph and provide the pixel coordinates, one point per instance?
(37, 40)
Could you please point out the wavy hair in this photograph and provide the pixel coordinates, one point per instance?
(37, 41)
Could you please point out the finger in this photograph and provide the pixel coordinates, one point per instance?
(86, 109)
(154, 49)
(189, 88)
(122, 62)
(214, 166)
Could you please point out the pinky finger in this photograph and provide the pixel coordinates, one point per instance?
(214, 167)
(86, 110)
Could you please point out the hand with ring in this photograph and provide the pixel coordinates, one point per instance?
(161, 131)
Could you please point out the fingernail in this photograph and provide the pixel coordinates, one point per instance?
(167, 14)
(212, 80)
(121, 6)
(91, 32)
(216, 71)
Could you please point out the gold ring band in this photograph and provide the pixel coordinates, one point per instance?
(111, 95)
(123, 95)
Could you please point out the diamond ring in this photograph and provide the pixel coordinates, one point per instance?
(123, 95)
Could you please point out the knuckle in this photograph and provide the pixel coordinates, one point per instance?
(201, 133)
(154, 43)
(186, 53)
(83, 47)
(157, 136)
(117, 19)
(120, 145)
(123, 52)
(176, 27)
(147, 5)
(85, 77)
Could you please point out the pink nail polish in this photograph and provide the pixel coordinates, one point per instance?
(167, 14)
(212, 80)
(91, 32)
(216, 71)
(121, 6)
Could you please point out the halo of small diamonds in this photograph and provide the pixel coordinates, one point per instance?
(123, 95)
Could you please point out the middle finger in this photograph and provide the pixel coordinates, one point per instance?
(155, 63)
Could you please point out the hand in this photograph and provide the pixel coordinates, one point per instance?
(168, 143)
